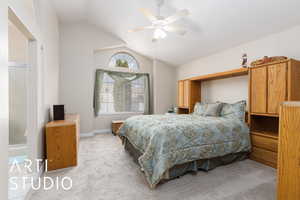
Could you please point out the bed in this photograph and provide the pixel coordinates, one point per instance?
(168, 146)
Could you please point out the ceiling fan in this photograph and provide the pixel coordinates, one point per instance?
(161, 25)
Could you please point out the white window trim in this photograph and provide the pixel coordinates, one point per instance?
(120, 113)
(121, 68)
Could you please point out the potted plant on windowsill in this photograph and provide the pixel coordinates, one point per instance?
(122, 63)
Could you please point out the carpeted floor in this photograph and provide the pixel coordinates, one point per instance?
(107, 172)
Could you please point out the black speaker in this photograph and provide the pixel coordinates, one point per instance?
(58, 112)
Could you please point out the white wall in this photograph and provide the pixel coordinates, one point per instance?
(84, 48)
(3, 99)
(164, 87)
(78, 42)
(49, 27)
(285, 43)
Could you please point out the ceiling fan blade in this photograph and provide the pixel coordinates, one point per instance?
(148, 14)
(180, 14)
(175, 29)
(140, 29)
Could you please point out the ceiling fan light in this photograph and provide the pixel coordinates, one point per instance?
(159, 34)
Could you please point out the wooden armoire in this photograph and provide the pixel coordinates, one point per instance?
(270, 85)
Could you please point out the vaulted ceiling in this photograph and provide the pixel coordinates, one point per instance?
(213, 25)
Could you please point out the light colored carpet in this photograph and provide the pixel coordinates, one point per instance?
(107, 172)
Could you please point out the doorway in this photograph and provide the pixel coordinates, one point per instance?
(22, 57)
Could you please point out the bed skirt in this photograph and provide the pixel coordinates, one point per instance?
(190, 167)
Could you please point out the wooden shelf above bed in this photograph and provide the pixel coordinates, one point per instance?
(221, 75)
(265, 114)
(189, 90)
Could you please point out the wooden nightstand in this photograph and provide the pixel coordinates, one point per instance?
(62, 139)
(115, 126)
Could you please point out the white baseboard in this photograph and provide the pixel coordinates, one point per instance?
(95, 132)
(102, 131)
(90, 134)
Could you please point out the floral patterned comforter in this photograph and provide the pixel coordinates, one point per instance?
(169, 140)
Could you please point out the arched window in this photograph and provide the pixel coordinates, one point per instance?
(125, 60)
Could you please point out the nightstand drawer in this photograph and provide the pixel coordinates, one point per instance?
(264, 156)
(264, 142)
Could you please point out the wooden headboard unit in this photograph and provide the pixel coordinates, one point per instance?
(189, 90)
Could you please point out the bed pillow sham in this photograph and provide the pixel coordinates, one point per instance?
(208, 109)
(235, 110)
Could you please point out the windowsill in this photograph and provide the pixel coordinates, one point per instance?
(120, 113)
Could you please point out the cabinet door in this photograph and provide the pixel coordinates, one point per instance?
(259, 90)
(277, 86)
(186, 93)
(180, 93)
(289, 153)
